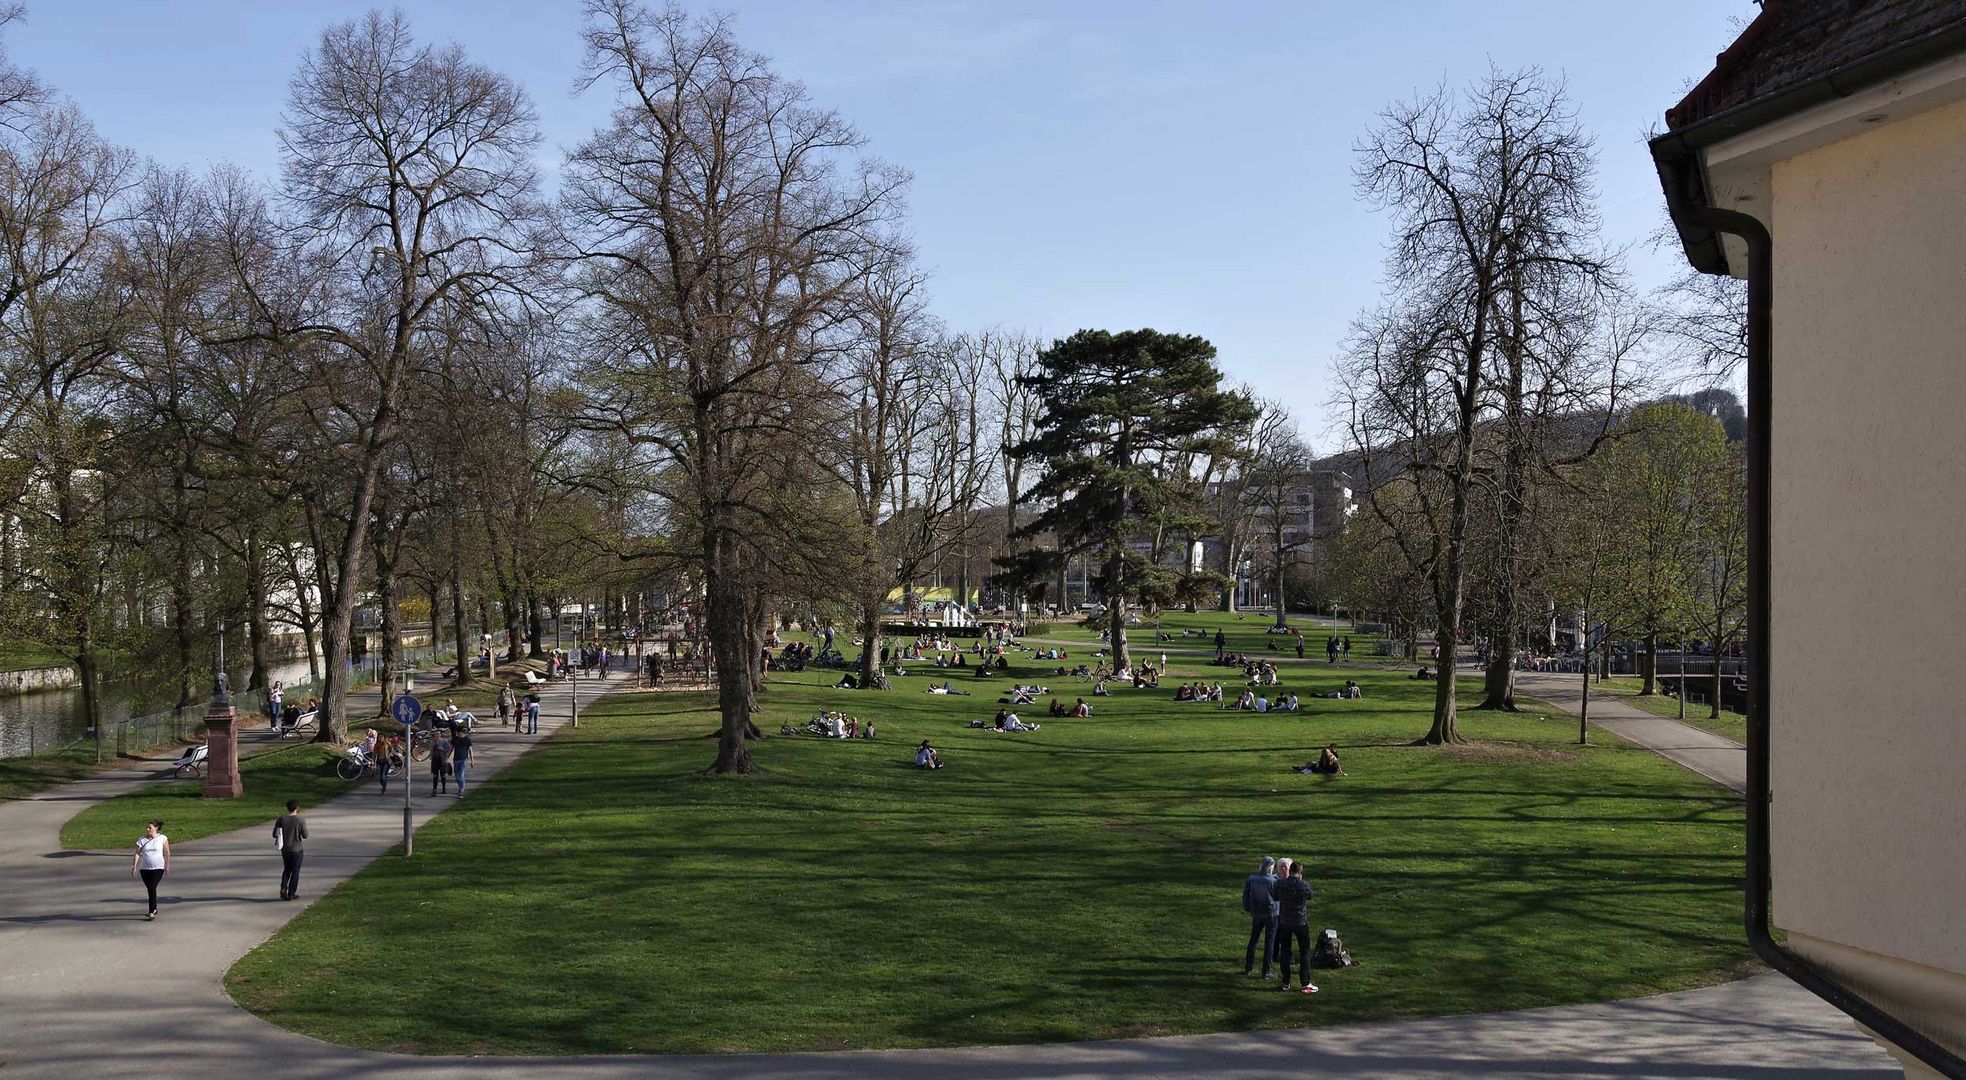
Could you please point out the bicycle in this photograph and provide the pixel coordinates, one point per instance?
(357, 763)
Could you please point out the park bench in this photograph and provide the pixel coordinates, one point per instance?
(192, 761)
(302, 722)
(533, 679)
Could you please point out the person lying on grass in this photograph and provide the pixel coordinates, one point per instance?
(1326, 764)
(947, 688)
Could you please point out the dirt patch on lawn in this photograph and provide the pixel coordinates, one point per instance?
(1501, 753)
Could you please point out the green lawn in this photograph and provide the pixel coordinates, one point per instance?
(19, 655)
(304, 772)
(1243, 632)
(1731, 724)
(604, 895)
(21, 777)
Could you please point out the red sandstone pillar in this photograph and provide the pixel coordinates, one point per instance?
(222, 742)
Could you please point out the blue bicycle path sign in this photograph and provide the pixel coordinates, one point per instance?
(406, 710)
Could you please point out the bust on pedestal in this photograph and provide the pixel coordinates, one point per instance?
(221, 739)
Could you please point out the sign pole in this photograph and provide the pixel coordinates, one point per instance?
(406, 710)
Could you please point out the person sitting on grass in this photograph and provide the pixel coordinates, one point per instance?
(1056, 709)
(926, 757)
(847, 682)
(1290, 703)
(1262, 703)
(1184, 692)
(1012, 724)
(1352, 689)
(1099, 689)
(1081, 710)
(1424, 674)
(1247, 701)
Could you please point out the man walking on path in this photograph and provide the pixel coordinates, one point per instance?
(1331, 649)
(1293, 895)
(460, 757)
(1258, 901)
(290, 836)
(440, 762)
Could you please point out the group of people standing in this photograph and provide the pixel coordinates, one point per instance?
(1278, 900)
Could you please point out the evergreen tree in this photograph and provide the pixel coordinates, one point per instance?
(1116, 406)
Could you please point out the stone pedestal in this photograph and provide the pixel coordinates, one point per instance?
(222, 759)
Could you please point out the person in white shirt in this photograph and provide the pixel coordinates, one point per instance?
(151, 861)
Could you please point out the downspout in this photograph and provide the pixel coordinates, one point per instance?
(1761, 292)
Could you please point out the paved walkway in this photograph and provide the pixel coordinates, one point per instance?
(1713, 756)
(88, 989)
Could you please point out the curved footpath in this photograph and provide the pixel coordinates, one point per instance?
(89, 989)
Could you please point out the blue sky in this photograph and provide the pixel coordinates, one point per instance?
(1185, 166)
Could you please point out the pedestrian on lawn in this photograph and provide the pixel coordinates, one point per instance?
(1345, 646)
(1293, 895)
(290, 836)
(461, 758)
(440, 762)
(151, 860)
(1258, 901)
(1300, 646)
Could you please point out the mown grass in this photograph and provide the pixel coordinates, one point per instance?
(21, 777)
(21, 655)
(1730, 724)
(304, 772)
(1243, 632)
(605, 895)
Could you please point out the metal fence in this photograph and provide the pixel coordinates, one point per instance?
(136, 733)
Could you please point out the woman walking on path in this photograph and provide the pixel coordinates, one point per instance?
(151, 860)
(460, 757)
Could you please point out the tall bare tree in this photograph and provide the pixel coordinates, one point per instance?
(409, 170)
(724, 226)
(1489, 188)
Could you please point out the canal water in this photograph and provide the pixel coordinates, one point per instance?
(38, 722)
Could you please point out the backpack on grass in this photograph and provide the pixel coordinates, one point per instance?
(1329, 952)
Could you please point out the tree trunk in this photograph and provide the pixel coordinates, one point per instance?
(535, 627)
(870, 633)
(724, 612)
(1649, 666)
(1584, 706)
(462, 647)
(183, 633)
(258, 635)
(1283, 574)
(1713, 711)
(390, 627)
(1499, 680)
(308, 623)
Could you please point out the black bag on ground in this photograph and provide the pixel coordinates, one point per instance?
(1329, 952)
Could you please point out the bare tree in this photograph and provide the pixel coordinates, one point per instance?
(1490, 189)
(409, 169)
(724, 228)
